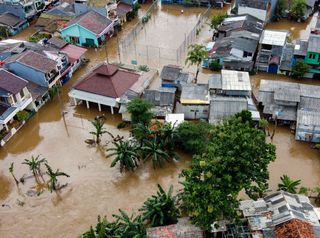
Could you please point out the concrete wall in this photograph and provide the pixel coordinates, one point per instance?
(78, 31)
(27, 73)
(193, 111)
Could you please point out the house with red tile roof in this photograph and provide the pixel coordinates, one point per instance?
(110, 85)
(34, 67)
(14, 97)
(88, 29)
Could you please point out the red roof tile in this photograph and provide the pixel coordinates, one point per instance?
(295, 229)
(108, 80)
(92, 21)
(10, 82)
(37, 61)
(74, 52)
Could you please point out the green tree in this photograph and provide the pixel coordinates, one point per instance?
(217, 20)
(214, 65)
(196, 54)
(22, 115)
(11, 168)
(140, 111)
(288, 185)
(130, 226)
(298, 8)
(245, 116)
(35, 167)
(236, 158)
(53, 177)
(125, 153)
(98, 124)
(161, 209)
(154, 150)
(299, 69)
(194, 137)
(280, 9)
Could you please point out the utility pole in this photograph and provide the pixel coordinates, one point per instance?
(118, 49)
(106, 51)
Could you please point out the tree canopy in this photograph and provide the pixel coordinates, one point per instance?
(298, 8)
(217, 19)
(236, 158)
(196, 54)
(140, 111)
(299, 69)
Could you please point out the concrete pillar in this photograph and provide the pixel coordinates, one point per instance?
(99, 106)
(88, 106)
(75, 101)
(6, 126)
(111, 110)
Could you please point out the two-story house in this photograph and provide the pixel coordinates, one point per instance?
(22, 9)
(313, 56)
(14, 97)
(270, 51)
(34, 67)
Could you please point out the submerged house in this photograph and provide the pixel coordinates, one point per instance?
(194, 101)
(14, 97)
(172, 76)
(270, 51)
(34, 67)
(163, 100)
(236, 52)
(261, 9)
(89, 29)
(111, 86)
(238, 23)
(12, 23)
(293, 103)
(281, 215)
(230, 93)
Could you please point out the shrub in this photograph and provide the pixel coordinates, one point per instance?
(22, 115)
(121, 125)
(144, 68)
(214, 65)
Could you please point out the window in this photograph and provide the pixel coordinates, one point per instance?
(74, 40)
(312, 56)
(22, 93)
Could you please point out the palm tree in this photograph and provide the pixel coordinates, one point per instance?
(35, 166)
(154, 149)
(196, 54)
(98, 123)
(288, 185)
(53, 177)
(161, 209)
(126, 154)
(11, 172)
(130, 226)
(263, 125)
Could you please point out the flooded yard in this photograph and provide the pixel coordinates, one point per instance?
(58, 131)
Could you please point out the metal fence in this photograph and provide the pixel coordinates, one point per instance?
(154, 55)
(133, 33)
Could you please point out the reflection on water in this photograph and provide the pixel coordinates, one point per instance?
(296, 29)
(58, 132)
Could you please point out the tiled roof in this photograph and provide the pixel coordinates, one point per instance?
(37, 61)
(36, 90)
(10, 19)
(107, 80)
(10, 82)
(295, 229)
(74, 52)
(92, 21)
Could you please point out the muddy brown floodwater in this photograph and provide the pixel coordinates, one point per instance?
(93, 187)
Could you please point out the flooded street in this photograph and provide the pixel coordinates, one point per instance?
(93, 187)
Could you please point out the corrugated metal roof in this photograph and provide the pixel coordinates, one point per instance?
(314, 43)
(235, 80)
(215, 81)
(307, 117)
(271, 37)
(287, 94)
(194, 94)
